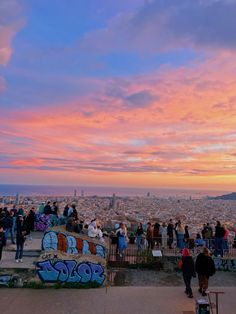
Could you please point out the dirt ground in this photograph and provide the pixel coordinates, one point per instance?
(139, 277)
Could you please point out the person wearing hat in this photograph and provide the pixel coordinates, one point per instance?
(205, 268)
(188, 271)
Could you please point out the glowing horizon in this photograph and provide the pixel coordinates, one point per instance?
(140, 93)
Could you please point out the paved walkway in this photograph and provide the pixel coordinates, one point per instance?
(32, 249)
(114, 300)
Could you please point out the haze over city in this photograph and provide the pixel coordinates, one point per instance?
(118, 93)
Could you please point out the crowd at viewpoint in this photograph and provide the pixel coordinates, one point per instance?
(163, 235)
(16, 225)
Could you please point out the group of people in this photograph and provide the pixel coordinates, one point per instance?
(18, 225)
(204, 267)
(163, 235)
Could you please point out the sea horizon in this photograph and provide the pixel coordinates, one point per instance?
(69, 190)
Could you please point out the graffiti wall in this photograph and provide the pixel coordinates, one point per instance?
(50, 271)
(42, 222)
(69, 257)
(225, 264)
(71, 243)
(220, 264)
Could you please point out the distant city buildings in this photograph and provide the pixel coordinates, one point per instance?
(131, 210)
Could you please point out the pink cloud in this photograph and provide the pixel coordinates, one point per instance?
(10, 23)
(181, 134)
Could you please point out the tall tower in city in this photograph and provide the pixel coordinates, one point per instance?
(113, 203)
(17, 199)
(75, 193)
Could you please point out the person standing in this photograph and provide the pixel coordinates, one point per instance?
(47, 208)
(186, 236)
(122, 239)
(156, 234)
(180, 234)
(188, 271)
(8, 223)
(170, 233)
(14, 215)
(149, 236)
(2, 240)
(225, 239)
(20, 238)
(163, 232)
(219, 237)
(29, 222)
(205, 268)
(139, 235)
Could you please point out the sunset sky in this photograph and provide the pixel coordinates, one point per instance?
(119, 93)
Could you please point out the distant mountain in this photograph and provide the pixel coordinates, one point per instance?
(231, 196)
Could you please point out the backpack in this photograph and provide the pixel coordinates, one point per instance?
(65, 212)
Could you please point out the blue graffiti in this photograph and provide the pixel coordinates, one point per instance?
(70, 271)
(86, 247)
(71, 245)
(100, 251)
(225, 264)
(49, 241)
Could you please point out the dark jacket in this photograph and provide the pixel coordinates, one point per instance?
(188, 266)
(219, 232)
(205, 265)
(8, 222)
(47, 210)
(20, 231)
(139, 231)
(2, 239)
(29, 221)
(170, 229)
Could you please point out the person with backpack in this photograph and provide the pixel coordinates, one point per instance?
(205, 268)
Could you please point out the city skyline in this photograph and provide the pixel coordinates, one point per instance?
(135, 93)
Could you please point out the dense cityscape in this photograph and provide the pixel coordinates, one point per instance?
(131, 210)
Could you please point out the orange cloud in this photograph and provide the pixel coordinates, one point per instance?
(174, 127)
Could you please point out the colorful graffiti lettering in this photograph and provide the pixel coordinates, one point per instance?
(69, 244)
(225, 264)
(42, 222)
(220, 263)
(70, 271)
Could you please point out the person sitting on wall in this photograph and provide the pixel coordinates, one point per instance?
(70, 224)
(100, 233)
(92, 229)
(73, 225)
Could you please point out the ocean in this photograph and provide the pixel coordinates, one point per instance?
(59, 190)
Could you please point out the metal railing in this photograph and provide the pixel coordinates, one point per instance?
(143, 256)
